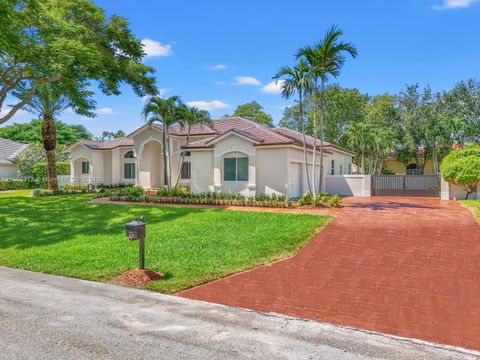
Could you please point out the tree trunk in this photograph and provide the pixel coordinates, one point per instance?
(362, 171)
(165, 157)
(322, 93)
(304, 143)
(49, 140)
(314, 157)
(182, 159)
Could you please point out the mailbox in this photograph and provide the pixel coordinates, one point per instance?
(136, 229)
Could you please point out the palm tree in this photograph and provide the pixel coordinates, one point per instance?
(191, 116)
(296, 80)
(166, 112)
(355, 134)
(325, 59)
(48, 102)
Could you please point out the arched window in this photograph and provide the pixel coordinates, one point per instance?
(129, 155)
(413, 169)
(129, 170)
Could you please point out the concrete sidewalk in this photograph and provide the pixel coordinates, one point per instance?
(51, 317)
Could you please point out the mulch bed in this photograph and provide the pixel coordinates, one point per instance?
(137, 278)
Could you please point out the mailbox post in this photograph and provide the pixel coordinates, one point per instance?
(136, 231)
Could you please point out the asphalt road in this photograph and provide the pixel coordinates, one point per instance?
(51, 317)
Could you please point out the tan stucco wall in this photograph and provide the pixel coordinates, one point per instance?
(399, 167)
(272, 170)
(8, 171)
(202, 171)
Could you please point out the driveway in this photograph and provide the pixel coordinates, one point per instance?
(52, 317)
(407, 267)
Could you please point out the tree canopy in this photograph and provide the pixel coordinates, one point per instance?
(254, 111)
(30, 133)
(67, 43)
(462, 168)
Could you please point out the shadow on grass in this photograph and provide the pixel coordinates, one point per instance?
(32, 222)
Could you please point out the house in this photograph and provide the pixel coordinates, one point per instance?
(9, 150)
(232, 155)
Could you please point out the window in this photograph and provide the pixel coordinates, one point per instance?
(129, 155)
(332, 167)
(129, 171)
(235, 169)
(341, 169)
(85, 167)
(412, 169)
(185, 153)
(186, 170)
(349, 168)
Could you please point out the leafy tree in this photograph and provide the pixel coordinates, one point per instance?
(110, 135)
(462, 168)
(191, 116)
(324, 61)
(254, 111)
(67, 43)
(167, 112)
(30, 133)
(34, 154)
(296, 80)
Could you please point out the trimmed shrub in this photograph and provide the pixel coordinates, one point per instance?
(462, 168)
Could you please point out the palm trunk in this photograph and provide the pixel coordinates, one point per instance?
(165, 157)
(304, 143)
(182, 159)
(322, 93)
(362, 171)
(314, 138)
(49, 139)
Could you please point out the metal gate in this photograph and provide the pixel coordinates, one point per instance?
(406, 185)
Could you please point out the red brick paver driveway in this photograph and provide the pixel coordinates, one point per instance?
(408, 267)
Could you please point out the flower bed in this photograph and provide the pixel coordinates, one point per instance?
(183, 196)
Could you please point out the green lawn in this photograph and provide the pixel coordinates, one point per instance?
(66, 235)
(474, 205)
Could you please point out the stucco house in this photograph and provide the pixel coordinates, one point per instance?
(9, 150)
(232, 155)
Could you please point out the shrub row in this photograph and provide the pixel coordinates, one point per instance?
(320, 200)
(184, 192)
(18, 184)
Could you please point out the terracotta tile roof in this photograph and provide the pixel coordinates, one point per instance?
(260, 133)
(9, 150)
(107, 145)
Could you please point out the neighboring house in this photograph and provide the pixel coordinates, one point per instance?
(9, 150)
(233, 155)
(410, 168)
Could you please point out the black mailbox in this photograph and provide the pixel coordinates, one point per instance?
(136, 229)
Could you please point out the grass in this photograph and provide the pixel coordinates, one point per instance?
(66, 235)
(473, 205)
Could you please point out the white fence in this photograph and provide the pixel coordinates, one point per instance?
(348, 185)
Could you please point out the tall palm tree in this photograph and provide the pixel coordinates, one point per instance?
(296, 80)
(191, 116)
(325, 59)
(166, 112)
(48, 102)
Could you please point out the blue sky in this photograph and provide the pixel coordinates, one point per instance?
(218, 54)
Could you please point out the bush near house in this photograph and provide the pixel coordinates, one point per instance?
(182, 195)
(462, 168)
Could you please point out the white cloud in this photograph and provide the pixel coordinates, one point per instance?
(273, 87)
(217, 67)
(153, 48)
(246, 80)
(6, 110)
(454, 4)
(209, 105)
(106, 111)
